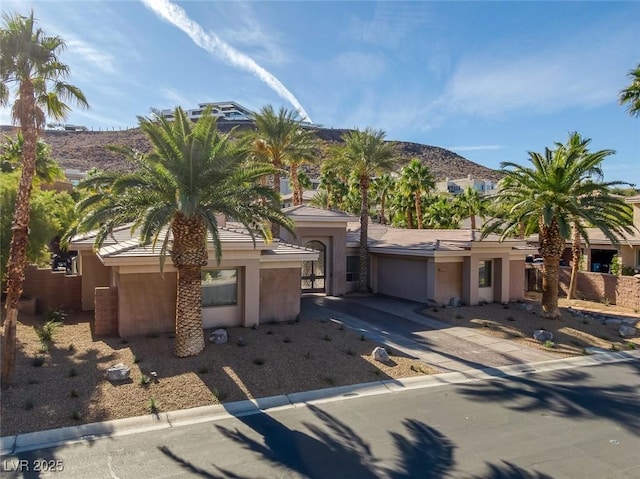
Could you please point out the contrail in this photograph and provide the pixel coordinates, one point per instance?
(216, 46)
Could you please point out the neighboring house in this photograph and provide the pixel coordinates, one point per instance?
(258, 282)
(255, 282)
(226, 110)
(443, 266)
(598, 255)
(456, 187)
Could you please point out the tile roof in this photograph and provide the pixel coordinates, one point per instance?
(311, 211)
(382, 236)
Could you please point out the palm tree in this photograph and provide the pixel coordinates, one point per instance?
(366, 154)
(552, 193)
(631, 95)
(48, 170)
(470, 203)
(193, 173)
(441, 213)
(280, 141)
(418, 179)
(382, 187)
(28, 60)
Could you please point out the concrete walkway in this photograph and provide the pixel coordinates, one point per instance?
(400, 325)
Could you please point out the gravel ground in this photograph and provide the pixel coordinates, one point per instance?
(70, 388)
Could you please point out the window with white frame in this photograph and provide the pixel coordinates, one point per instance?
(484, 274)
(219, 287)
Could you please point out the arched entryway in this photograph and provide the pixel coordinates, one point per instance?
(313, 272)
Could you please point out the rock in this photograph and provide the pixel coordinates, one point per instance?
(119, 372)
(627, 331)
(380, 355)
(455, 302)
(526, 306)
(542, 335)
(219, 336)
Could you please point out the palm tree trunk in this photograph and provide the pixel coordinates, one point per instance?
(189, 254)
(473, 221)
(383, 218)
(551, 248)
(275, 227)
(364, 234)
(575, 263)
(20, 234)
(419, 209)
(297, 190)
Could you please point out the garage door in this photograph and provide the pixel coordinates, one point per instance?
(402, 278)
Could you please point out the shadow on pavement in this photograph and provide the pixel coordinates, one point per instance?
(330, 448)
(569, 393)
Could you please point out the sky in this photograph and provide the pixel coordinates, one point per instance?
(490, 81)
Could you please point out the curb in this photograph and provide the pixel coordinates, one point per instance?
(119, 427)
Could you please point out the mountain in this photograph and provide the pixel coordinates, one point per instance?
(84, 150)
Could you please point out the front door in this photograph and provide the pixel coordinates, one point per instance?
(313, 272)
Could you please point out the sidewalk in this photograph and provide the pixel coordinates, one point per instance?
(397, 324)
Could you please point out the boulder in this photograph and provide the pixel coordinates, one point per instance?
(380, 355)
(118, 372)
(219, 336)
(627, 331)
(455, 302)
(542, 335)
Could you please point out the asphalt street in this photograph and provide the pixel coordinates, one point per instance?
(572, 423)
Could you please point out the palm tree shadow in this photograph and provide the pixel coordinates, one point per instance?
(568, 394)
(426, 453)
(338, 452)
(508, 470)
(332, 449)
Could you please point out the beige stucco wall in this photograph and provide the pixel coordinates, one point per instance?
(146, 303)
(335, 240)
(94, 274)
(629, 255)
(516, 280)
(279, 294)
(447, 282)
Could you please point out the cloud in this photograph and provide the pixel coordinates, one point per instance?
(177, 98)
(216, 46)
(582, 72)
(87, 53)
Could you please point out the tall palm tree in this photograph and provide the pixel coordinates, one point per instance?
(471, 204)
(418, 179)
(552, 193)
(192, 173)
(366, 154)
(281, 141)
(382, 187)
(631, 95)
(28, 61)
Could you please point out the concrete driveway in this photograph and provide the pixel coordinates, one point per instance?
(400, 325)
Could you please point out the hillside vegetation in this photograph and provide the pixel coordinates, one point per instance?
(84, 150)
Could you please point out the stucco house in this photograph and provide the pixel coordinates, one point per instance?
(254, 282)
(599, 253)
(258, 282)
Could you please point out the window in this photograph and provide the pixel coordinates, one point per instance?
(353, 268)
(219, 287)
(484, 274)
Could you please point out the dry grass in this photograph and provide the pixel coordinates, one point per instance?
(70, 387)
(570, 335)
